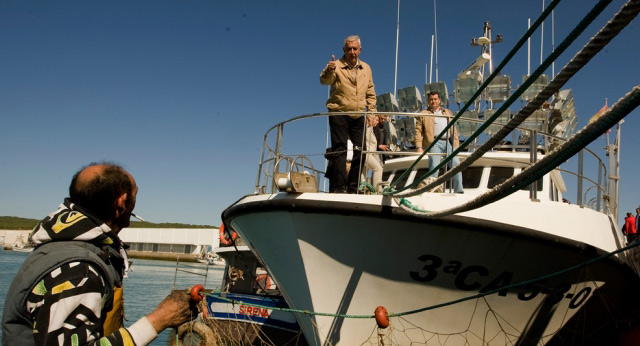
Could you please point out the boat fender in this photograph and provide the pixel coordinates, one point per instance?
(223, 238)
(382, 318)
(195, 293)
(203, 332)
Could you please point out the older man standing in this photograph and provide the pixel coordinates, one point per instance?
(352, 90)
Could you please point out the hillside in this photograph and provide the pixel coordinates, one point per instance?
(13, 223)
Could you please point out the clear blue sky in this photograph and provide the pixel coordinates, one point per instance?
(181, 92)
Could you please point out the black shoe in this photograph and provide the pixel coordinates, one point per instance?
(340, 190)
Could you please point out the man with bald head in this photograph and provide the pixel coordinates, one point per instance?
(69, 290)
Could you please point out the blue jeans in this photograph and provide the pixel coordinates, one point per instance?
(440, 147)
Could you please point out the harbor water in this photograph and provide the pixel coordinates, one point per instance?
(148, 283)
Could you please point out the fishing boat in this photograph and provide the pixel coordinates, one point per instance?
(210, 257)
(20, 247)
(248, 309)
(509, 262)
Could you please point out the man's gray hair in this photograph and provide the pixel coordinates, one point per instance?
(351, 39)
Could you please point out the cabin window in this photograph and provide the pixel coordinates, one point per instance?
(471, 177)
(538, 187)
(498, 176)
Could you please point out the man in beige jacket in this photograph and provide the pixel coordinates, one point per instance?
(426, 130)
(352, 90)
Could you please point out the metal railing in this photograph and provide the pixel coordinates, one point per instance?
(273, 157)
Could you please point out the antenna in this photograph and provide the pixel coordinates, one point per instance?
(431, 67)
(395, 78)
(529, 49)
(435, 29)
(553, 44)
(541, 35)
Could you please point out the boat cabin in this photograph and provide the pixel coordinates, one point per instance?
(483, 175)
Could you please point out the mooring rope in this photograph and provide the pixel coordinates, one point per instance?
(532, 173)
(497, 71)
(627, 13)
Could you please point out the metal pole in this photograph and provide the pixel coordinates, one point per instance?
(277, 156)
(529, 50)
(617, 168)
(395, 79)
(599, 189)
(435, 26)
(542, 36)
(256, 190)
(533, 157)
(580, 176)
(553, 44)
(611, 191)
(431, 61)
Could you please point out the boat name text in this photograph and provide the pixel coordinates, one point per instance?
(478, 278)
(254, 311)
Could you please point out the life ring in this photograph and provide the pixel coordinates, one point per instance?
(223, 238)
(195, 293)
(194, 331)
(263, 281)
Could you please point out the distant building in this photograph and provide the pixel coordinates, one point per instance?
(170, 243)
(159, 243)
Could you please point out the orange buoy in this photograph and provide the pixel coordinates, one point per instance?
(223, 238)
(195, 293)
(382, 318)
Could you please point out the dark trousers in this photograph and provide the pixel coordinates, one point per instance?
(343, 128)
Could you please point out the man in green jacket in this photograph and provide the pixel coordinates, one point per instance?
(352, 90)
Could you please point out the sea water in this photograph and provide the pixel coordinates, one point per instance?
(148, 283)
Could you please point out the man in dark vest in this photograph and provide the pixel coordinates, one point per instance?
(69, 290)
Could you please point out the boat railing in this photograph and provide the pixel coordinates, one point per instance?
(307, 155)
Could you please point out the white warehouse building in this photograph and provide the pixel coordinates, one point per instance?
(170, 243)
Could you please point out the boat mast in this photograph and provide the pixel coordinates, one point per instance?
(431, 61)
(528, 49)
(617, 177)
(613, 151)
(395, 78)
(553, 44)
(435, 31)
(542, 37)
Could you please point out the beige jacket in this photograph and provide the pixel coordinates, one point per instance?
(425, 126)
(347, 93)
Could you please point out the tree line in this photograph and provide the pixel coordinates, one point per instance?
(19, 223)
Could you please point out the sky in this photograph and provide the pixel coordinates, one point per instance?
(181, 93)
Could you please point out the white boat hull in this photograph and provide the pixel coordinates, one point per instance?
(348, 260)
